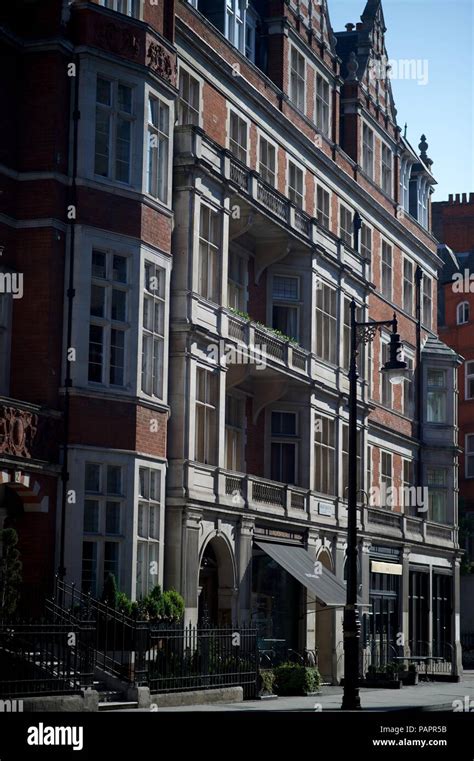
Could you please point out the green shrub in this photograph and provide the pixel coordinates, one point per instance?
(123, 604)
(173, 605)
(267, 681)
(294, 679)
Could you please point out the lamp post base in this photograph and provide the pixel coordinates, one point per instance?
(351, 703)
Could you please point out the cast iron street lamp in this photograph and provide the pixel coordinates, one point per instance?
(396, 370)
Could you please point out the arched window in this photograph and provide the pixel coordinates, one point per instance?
(463, 313)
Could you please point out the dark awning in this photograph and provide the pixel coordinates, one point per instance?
(325, 586)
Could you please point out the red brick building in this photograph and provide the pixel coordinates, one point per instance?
(193, 193)
(85, 222)
(453, 225)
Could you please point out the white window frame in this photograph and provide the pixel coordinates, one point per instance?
(132, 8)
(365, 246)
(468, 376)
(320, 215)
(441, 390)
(330, 352)
(368, 150)
(385, 245)
(298, 98)
(461, 317)
(234, 25)
(322, 106)
(408, 385)
(426, 299)
(183, 69)
(262, 136)
(408, 283)
(291, 192)
(468, 455)
(114, 114)
(241, 288)
(349, 211)
(295, 304)
(386, 169)
(242, 152)
(106, 322)
(210, 407)
(293, 439)
(384, 478)
(214, 255)
(236, 433)
(326, 448)
(155, 139)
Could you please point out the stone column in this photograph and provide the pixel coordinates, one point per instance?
(456, 620)
(405, 601)
(190, 563)
(338, 659)
(244, 569)
(309, 633)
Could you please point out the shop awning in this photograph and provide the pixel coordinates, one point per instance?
(325, 586)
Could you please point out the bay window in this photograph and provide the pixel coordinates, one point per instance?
(148, 529)
(113, 129)
(436, 396)
(437, 494)
(108, 328)
(236, 281)
(104, 504)
(153, 330)
(158, 149)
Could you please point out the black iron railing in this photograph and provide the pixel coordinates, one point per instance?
(202, 657)
(45, 658)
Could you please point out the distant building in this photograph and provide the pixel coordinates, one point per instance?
(453, 224)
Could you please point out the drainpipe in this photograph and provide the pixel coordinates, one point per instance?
(419, 374)
(70, 297)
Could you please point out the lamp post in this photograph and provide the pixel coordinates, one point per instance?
(396, 369)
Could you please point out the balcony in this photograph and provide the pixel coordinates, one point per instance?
(398, 525)
(272, 349)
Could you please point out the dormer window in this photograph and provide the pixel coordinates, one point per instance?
(368, 151)
(462, 313)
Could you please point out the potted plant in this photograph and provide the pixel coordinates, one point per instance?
(295, 679)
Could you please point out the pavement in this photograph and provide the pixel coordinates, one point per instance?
(426, 696)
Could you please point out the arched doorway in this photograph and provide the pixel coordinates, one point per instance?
(325, 630)
(216, 583)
